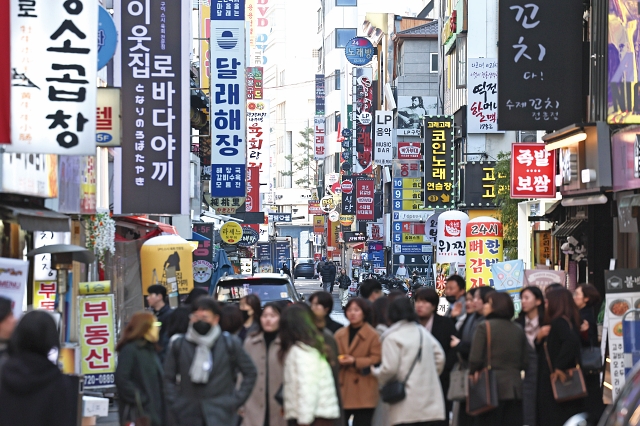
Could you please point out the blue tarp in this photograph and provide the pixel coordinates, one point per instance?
(222, 267)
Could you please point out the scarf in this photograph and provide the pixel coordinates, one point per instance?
(202, 359)
(531, 328)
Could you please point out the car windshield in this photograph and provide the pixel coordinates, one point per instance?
(267, 290)
(301, 261)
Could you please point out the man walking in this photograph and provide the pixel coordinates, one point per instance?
(328, 276)
(455, 292)
(343, 287)
(156, 298)
(202, 368)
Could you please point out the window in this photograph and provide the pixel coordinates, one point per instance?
(320, 19)
(434, 62)
(346, 2)
(337, 79)
(343, 35)
(461, 61)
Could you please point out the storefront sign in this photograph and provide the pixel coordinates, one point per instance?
(349, 196)
(44, 295)
(231, 232)
(249, 237)
(54, 57)
(346, 219)
(359, 51)
(30, 174)
(253, 202)
(533, 171)
(107, 37)
(318, 224)
(228, 88)
(542, 278)
(438, 164)
(412, 248)
(411, 216)
(97, 340)
(94, 287)
(412, 110)
(203, 255)
(625, 158)
(77, 184)
(365, 189)
(167, 260)
(280, 217)
(255, 88)
(108, 117)
(314, 207)
(384, 138)
(155, 98)
(534, 91)
(363, 113)
(404, 265)
(542, 247)
(482, 107)
(354, 237)
(263, 23)
(319, 150)
(479, 184)
(320, 94)
(452, 233)
(484, 248)
(13, 282)
(258, 135)
(409, 151)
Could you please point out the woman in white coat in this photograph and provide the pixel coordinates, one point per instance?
(424, 400)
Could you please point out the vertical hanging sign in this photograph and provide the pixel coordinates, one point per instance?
(320, 94)
(482, 108)
(319, 148)
(363, 103)
(384, 138)
(365, 189)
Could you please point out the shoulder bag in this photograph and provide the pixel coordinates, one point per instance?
(483, 385)
(591, 359)
(135, 416)
(394, 391)
(458, 381)
(573, 387)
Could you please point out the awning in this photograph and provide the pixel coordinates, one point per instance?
(146, 227)
(37, 219)
(197, 237)
(77, 253)
(568, 229)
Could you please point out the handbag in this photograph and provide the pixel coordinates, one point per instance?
(573, 387)
(591, 359)
(134, 416)
(394, 391)
(482, 395)
(458, 382)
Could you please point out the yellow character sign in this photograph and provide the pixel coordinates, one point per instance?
(231, 232)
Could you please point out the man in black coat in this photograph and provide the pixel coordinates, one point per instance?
(442, 328)
(157, 300)
(328, 276)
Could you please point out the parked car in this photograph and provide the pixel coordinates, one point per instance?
(305, 268)
(268, 287)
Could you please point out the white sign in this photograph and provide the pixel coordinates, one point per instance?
(319, 146)
(411, 111)
(452, 237)
(42, 270)
(383, 155)
(30, 174)
(412, 216)
(13, 282)
(258, 135)
(108, 117)
(482, 84)
(54, 56)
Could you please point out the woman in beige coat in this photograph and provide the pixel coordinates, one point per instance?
(261, 409)
(424, 401)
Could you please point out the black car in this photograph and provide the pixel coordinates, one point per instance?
(305, 268)
(268, 287)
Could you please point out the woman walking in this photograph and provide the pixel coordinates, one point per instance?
(139, 373)
(404, 344)
(563, 347)
(33, 390)
(250, 308)
(262, 409)
(509, 356)
(309, 390)
(359, 350)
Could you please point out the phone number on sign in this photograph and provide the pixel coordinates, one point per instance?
(99, 380)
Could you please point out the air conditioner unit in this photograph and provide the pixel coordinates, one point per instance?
(527, 136)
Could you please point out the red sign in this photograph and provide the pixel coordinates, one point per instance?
(5, 74)
(314, 207)
(533, 171)
(363, 110)
(365, 188)
(452, 228)
(252, 203)
(347, 186)
(409, 151)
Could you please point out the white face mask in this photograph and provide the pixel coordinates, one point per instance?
(53, 356)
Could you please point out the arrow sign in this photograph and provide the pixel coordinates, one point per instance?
(445, 198)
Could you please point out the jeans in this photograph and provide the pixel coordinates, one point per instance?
(327, 286)
(344, 296)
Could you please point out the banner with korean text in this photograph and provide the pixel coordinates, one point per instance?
(533, 171)
(484, 248)
(228, 118)
(258, 134)
(97, 340)
(438, 161)
(482, 108)
(383, 154)
(319, 150)
(54, 56)
(155, 107)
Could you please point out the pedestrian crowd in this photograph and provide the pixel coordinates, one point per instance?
(396, 362)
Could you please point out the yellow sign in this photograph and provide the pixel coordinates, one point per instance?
(484, 248)
(411, 205)
(410, 238)
(411, 183)
(95, 287)
(167, 260)
(205, 55)
(44, 295)
(346, 219)
(231, 232)
(97, 341)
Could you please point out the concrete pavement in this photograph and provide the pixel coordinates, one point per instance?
(308, 287)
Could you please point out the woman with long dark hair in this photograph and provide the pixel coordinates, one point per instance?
(563, 346)
(262, 409)
(251, 310)
(139, 375)
(309, 390)
(33, 390)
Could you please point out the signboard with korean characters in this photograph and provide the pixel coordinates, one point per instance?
(255, 88)
(258, 134)
(383, 154)
(482, 107)
(405, 264)
(451, 246)
(97, 340)
(410, 150)
(359, 51)
(280, 217)
(203, 255)
(314, 207)
(438, 162)
(319, 147)
(479, 184)
(155, 101)
(533, 171)
(354, 237)
(44, 295)
(363, 113)
(365, 189)
(54, 56)
(484, 248)
(408, 193)
(108, 117)
(320, 94)
(348, 189)
(410, 233)
(231, 232)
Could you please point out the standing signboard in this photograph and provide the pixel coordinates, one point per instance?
(384, 138)
(155, 105)
(54, 56)
(482, 107)
(228, 145)
(533, 171)
(97, 340)
(13, 282)
(535, 92)
(439, 160)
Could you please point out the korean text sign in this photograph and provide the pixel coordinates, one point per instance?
(13, 282)
(228, 84)
(54, 48)
(97, 340)
(480, 184)
(540, 77)
(384, 138)
(484, 248)
(155, 107)
(438, 161)
(320, 94)
(258, 133)
(364, 109)
(365, 189)
(319, 145)
(533, 171)
(482, 108)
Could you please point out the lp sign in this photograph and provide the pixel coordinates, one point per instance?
(384, 138)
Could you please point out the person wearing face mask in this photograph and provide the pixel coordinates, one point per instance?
(250, 308)
(262, 409)
(33, 390)
(455, 289)
(139, 373)
(200, 371)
